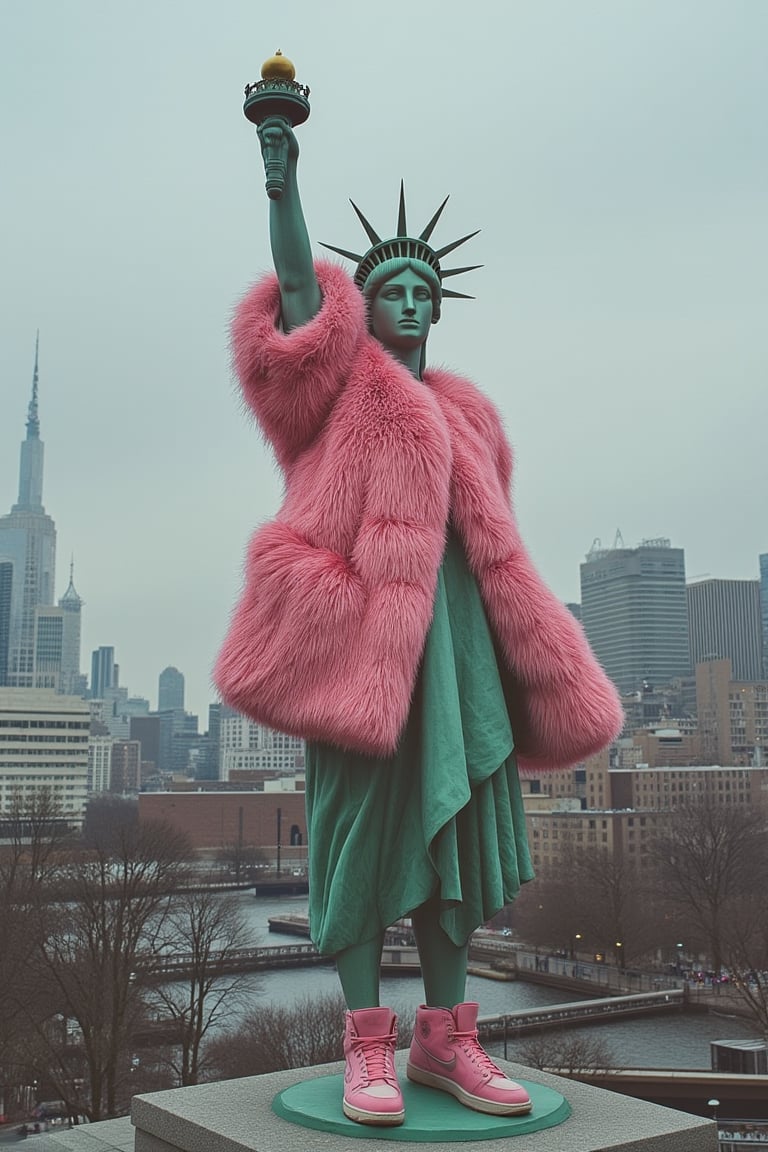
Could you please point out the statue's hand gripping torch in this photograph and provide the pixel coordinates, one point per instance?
(275, 136)
(276, 104)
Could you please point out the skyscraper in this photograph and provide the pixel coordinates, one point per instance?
(49, 630)
(764, 608)
(71, 680)
(170, 691)
(28, 544)
(724, 623)
(635, 613)
(6, 583)
(103, 672)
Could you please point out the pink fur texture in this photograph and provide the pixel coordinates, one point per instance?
(327, 637)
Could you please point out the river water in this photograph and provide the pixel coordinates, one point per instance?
(674, 1041)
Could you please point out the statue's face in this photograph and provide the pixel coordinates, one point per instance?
(401, 311)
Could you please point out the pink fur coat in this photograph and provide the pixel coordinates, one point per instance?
(328, 634)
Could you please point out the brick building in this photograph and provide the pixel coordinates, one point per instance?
(733, 715)
(126, 766)
(627, 834)
(217, 820)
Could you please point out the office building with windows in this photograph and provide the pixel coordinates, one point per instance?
(245, 746)
(6, 583)
(724, 624)
(44, 741)
(104, 672)
(733, 716)
(635, 612)
(170, 691)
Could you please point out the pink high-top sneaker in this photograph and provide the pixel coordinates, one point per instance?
(371, 1091)
(446, 1054)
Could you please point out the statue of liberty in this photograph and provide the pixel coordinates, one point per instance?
(392, 618)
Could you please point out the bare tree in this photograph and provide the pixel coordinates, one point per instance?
(548, 913)
(206, 929)
(712, 856)
(746, 955)
(241, 860)
(88, 954)
(567, 1055)
(615, 902)
(274, 1037)
(34, 832)
(107, 818)
(596, 899)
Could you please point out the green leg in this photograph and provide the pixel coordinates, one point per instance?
(443, 963)
(358, 968)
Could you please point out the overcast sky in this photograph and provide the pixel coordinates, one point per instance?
(614, 153)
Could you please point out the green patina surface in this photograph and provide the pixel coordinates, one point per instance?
(429, 1116)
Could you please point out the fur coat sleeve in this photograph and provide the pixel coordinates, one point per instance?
(291, 380)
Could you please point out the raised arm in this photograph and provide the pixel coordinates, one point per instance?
(300, 297)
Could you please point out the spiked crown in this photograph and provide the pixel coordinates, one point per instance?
(403, 246)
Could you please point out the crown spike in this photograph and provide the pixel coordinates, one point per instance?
(371, 234)
(342, 252)
(402, 227)
(445, 272)
(404, 246)
(450, 247)
(431, 226)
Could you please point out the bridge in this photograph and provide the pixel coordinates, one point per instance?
(580, 1012)
(161, 967)
(166, 967)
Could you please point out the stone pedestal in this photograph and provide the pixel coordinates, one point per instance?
(237, 1116)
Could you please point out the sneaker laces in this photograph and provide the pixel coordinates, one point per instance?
(376, 1058)
(472, 1048)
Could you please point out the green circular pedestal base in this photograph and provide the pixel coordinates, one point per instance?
(429, 1115)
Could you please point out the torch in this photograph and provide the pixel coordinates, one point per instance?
(276, 94)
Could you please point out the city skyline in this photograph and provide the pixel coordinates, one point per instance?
(619, 183)
(628, 655)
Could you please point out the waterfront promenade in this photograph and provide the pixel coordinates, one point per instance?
(491, 955)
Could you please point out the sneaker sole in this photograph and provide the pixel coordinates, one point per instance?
(491, 1107)
(381, 1119)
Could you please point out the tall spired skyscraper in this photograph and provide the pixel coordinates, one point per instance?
(28, 545)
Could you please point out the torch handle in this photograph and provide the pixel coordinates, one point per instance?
(274, 166)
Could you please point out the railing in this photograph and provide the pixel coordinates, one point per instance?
(178, 965)
(174, 966)
(750, 1139)
(630, 980)
(583, 1009)
(578, 1012)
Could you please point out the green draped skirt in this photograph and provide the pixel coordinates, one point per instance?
(444, 814)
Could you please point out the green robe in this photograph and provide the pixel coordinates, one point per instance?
(443, 814)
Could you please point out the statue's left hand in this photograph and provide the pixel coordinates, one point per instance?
(278, 137)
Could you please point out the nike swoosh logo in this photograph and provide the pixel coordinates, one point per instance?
(447, 1064)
